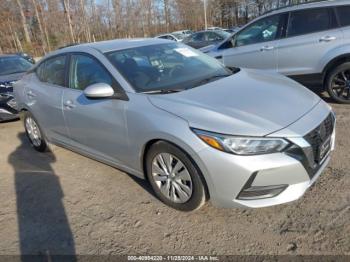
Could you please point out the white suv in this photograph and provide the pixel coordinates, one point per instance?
(309, 43)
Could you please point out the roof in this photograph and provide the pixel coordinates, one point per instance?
(312, 4)
(119, 44)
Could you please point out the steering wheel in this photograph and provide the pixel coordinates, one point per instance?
(176, 69)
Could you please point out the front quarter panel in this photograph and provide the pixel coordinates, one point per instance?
(19, 91)
(147, 123)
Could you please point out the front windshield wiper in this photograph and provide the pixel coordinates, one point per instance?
(210, 79)
(16, 72)
(163, 91)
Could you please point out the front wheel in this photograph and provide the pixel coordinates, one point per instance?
(338, 83)
(174, 177)
(34, 134)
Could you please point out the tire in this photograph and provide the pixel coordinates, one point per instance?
(338, 83)
(34, 132)
(188, 177)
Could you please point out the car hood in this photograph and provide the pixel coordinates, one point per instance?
(11, 77)
(251, 103)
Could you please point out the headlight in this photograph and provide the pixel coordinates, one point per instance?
(242, 145)
(12, 103)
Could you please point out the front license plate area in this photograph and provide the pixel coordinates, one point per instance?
(324, 149)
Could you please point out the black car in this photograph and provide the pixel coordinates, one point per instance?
(205, 38)
(12, 68)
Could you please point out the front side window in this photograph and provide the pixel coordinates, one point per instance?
(344, 15)
(52, 71)
(263, 30)
(85, 71)
(165, 67)
(310, 21)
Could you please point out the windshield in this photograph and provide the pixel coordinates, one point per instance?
(179, 36)
(223, 34)
(166, 67)
(13, 65)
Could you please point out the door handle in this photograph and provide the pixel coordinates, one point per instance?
(69, 104)
(327, 38)
(267, 48)
(31, 94)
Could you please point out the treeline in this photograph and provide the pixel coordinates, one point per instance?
(39, 26)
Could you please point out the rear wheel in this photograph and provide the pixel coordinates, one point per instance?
(34, 133)
(174, 177)
(338, 83)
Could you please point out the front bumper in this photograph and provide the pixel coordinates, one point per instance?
(7, 108)
(292, 171)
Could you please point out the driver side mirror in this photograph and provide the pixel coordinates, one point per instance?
(99, 90)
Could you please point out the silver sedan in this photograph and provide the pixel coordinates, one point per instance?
(167, 113)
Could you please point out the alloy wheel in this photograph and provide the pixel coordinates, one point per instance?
(172, 178)
(340, 85)
(33, 131)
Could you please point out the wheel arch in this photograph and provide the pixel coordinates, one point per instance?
(148, 145)
(334, 63)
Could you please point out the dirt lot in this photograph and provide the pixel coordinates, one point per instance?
(64, 203)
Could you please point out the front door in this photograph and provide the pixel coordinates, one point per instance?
(255, 46)
(96, 126)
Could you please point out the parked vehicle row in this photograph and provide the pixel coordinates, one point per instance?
(309, 43)
(212, 36)
(194, 129)
(205, 38)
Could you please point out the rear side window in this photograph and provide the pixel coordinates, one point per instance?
(344, 15)
(52, 71)
(85, 71)
(311, 21)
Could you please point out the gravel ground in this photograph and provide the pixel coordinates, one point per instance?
(64, 203)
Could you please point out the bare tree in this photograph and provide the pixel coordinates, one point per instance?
(65, 4)
(38, 26)
(24, 22)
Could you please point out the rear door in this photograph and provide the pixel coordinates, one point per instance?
(255, 46)
(44, 96)
(96, 126)
(311, 33)
(344, 20)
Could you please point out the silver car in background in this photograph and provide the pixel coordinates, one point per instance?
(309, 43)
(167, 113)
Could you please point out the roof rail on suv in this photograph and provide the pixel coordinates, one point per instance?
(291, 5)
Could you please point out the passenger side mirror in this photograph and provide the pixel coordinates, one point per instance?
(99, 90)
(227, 44)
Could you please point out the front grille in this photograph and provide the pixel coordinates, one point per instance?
(319, 135)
